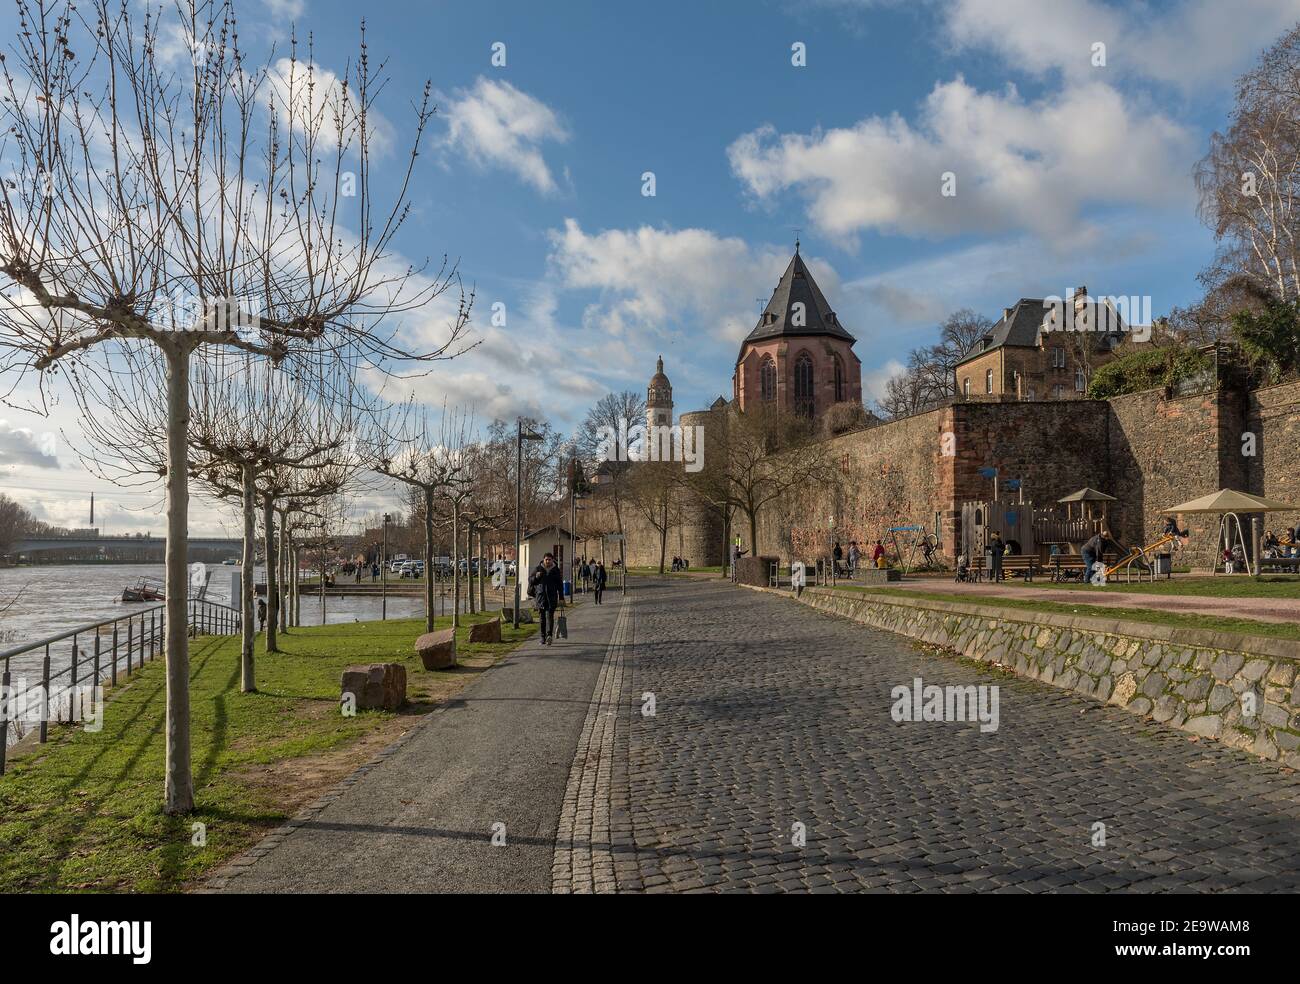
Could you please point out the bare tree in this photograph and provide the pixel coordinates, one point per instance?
(613, 414)
(15, 522)
(760, 456)
(1249, 180)
(431, 459)
(655, 491)
(930, 378)
(136, 185)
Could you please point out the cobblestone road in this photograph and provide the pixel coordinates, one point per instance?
(769, 714)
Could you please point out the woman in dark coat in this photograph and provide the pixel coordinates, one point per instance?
(546, 585)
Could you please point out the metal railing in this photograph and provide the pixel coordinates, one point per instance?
(95, 653)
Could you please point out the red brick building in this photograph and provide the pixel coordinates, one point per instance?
(798, 356)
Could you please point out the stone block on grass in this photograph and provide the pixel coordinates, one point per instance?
(437, 650)
(485, 632)
(376, 686)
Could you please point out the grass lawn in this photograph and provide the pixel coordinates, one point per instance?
(1227, 586)
(669, 572)
(83, 813)
(1185, 620)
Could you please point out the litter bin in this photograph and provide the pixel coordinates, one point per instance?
(568, 589)
(1164, 564)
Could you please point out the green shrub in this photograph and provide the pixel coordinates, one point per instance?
(1147, 369)
(1270, 339)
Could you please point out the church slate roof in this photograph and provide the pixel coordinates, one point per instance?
(797, 284)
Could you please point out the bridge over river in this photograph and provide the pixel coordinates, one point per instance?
(65, 548)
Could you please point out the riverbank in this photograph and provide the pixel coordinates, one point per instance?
(83, 813)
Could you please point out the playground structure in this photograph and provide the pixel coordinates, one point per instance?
(927, 541)
(1231, 539)
(1057, 530)
(1140, 559)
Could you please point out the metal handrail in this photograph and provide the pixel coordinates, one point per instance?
(203, 617)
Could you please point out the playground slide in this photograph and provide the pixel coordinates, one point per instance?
(1134, 554)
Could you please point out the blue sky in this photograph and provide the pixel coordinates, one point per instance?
(1067, 172)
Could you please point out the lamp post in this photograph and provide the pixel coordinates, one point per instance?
(573, 536)
(521, 436)
(383, 567)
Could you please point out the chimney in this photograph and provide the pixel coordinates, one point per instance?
(1006, 314)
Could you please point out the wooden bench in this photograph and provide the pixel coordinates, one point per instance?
(1013, 565)
(1279, 563)
(1069, 567)
(1020, 565)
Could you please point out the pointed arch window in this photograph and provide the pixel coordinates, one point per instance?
(767, 378)
(803, 384)
(840, 395)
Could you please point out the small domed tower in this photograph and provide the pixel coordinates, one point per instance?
(659, 399)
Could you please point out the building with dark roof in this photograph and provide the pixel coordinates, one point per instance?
(1026, 355)
(798, 356)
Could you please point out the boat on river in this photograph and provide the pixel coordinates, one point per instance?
(146, 589)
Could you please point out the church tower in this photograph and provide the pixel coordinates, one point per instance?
(659, 399)
(798, 357)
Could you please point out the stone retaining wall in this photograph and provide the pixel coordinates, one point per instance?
(1200, 681)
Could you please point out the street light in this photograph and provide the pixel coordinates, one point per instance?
(574, 496)
(519, 494)
(383, 569)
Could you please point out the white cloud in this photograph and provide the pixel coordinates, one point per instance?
(23, 446)
(1018, 164)
(495, 124)
(875, 381)
(307, 96)
(658, 282)
(1197, 43)
(286, 9)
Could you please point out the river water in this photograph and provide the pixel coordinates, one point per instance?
(55, 599)
(59, 598)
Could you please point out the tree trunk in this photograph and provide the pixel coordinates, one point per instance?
(753, 533)
(726, 541)
(469, 567)
(455, 564)
(663, 539)
(178, 792)
(272, 564)
(248, 623)
(282, 573)
(428, 560)
(482, 598)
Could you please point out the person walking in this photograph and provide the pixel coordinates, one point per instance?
(599, 578)
(854, 554)
(877, 554)
(261, 614)
(546, 585)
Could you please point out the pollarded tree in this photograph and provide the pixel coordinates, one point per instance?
(430, 459)
(164, 209)
(248, 415)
